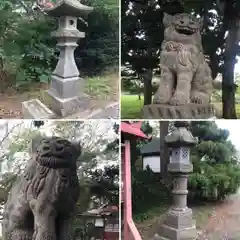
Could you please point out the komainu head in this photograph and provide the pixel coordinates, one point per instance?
(182, 26)
(56, 152)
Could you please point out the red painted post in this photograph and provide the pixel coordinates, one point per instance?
(130, 230)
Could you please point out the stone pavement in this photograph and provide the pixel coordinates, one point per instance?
(224, 224)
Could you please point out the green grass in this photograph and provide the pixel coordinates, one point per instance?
(218, 105)
(131, 107)
(98, 86)
(101, 86)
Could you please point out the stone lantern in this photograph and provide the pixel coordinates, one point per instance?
(179, 224)
(66, 90)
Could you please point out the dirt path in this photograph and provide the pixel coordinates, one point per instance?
(214, 222)
(11, 107)
(224, 224)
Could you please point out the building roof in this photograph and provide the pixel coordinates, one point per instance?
(105, 210)
(151, 147)
(133, 129)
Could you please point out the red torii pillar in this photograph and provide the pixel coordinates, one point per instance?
(128, 132)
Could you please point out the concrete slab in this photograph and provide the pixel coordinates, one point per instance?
(35, 109)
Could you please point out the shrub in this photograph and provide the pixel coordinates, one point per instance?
(148, 191)
(213, 182)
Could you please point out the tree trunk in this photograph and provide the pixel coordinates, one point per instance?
(228, 86)
(164, 151)
(148, 87)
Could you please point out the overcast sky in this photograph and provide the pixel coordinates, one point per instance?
(233, 126)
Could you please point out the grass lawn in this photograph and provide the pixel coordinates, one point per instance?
(219, 109)
(131, 107)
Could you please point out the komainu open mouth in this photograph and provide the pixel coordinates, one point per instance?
(185, 31)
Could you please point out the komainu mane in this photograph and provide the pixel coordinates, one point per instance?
(185, 75)
(41, 203)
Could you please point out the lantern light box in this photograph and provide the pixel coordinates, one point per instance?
(180, 155)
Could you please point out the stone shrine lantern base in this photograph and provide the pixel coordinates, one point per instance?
(178, 225)
(64, 107)
(187, 111)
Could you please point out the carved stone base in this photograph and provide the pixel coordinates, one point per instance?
(67, 106)
(178, 225)
(188, 111)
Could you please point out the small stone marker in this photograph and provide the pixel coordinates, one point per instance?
(35, 109)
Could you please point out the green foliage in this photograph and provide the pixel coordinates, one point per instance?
(100, 49)
(147, 192)
(101, 186)
(216, 169)
(214, 182)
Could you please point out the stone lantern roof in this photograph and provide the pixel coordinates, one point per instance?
(180, 137)
(69, 8)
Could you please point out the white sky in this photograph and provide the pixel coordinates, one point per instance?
(237, 66)
(233, 126)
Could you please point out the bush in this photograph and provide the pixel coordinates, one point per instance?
(213, 182)
(148, 191)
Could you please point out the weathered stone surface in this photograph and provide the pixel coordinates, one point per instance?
(179, 219)
(110, 111)
(169, 233)
(180, 167)
(69, 8)
(67, 106)
(185, 75)
(35, 109)
(187, 111)
(180, 136)
(42, 201)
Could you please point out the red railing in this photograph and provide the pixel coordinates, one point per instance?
(130, 230)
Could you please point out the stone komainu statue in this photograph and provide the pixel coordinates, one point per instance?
(41, 203)
(185, 75)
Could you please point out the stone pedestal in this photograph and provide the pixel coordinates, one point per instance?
(188, 111)
(179, 224)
